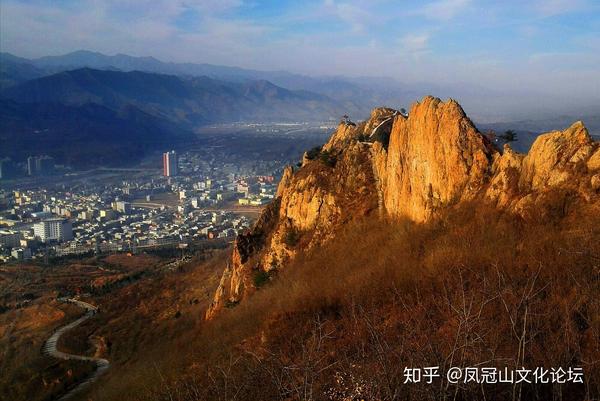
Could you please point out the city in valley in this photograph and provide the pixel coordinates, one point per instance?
(175, 199)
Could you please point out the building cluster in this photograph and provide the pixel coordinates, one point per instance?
(34, 166)
(40, 165)
(195, 199)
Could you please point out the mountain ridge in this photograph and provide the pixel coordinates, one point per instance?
(409, 167)
(357, 93)
(193, 101)
(101, 136)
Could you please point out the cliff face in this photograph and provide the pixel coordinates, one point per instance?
(407, 167)
(329, 190)
(435, 157)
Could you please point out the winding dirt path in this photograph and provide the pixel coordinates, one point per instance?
(51, 350)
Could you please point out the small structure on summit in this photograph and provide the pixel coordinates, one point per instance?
(346, 120)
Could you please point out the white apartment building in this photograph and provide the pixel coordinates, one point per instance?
(56, 229)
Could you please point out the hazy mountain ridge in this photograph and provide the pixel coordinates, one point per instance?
(200, 94)
(187, 101)
(357, 94)
(355, 98)
(168, 107)
(15, 70)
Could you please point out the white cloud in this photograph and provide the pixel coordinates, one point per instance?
(549, 8)
(355, 14)
(137, 27)
(414, 43)
(361, 47)
(443, 9)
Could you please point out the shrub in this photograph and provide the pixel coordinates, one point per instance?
(292, 236)
(313, 153)
(327, 158)
(261, 278)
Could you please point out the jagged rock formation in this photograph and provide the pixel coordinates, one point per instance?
(407, 167)
(435, 157)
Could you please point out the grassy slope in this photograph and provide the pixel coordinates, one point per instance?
(26, 373)
(149, 327)
(344, 320)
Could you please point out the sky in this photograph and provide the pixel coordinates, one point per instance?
(548, 46)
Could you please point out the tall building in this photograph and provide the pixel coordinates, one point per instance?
(31, 168)
(170, 164)
(55, 229)
(40, 165)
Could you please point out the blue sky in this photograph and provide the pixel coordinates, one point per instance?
(551, 46)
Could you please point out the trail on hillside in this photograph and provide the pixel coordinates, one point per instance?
(51, 350)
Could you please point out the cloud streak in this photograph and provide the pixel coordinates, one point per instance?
(444, 9)
(484, 42)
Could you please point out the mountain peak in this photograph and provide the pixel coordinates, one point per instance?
(435, 156)
(412, 168)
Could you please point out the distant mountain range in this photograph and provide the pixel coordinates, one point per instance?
(85, 135)
(179, 97)
(88, 116)
(190, 102)
(357, 95)
(359, 98)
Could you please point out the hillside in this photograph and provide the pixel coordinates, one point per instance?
(410, 168)
(186, 101)
(85, 135)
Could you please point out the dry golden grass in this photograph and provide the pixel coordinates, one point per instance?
(26, 374)
(342, 321)
(150, 325)
(29, 313)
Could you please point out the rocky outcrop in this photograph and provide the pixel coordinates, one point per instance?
(345, 133)
(505, 172)
(556, 157)
(406, 167)
(236, 280)
(593, 164)
(435, 157)
(329, 190)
